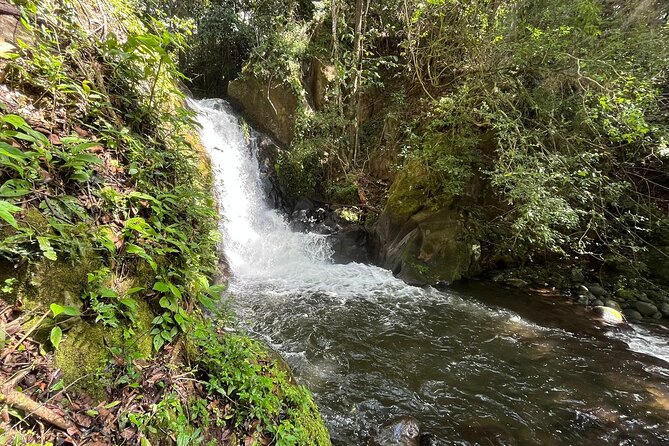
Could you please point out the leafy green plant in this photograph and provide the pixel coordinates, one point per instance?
(56, 334)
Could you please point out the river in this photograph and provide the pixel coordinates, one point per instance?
(475, 364)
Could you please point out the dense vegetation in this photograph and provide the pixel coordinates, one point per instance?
(108, 248)
(546, 121)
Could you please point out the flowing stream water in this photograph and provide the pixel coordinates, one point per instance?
(475, 365)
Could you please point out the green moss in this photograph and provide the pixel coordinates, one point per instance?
(61, 282)
(407, 194)
(83, 356)
(142, 329)
(35, 220)
(307, 419)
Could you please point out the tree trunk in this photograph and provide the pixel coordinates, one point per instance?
(361, 9)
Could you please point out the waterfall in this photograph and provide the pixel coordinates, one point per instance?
(260, 246)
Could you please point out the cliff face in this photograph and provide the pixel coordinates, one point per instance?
(272, 107)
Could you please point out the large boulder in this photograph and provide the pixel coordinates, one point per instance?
(424, 245)
(272, 106)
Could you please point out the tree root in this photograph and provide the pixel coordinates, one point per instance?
(20, 401)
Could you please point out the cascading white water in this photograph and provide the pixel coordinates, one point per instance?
(262, 249)
(372, 348)
(258, 242)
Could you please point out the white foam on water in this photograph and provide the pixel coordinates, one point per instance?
(642, 340)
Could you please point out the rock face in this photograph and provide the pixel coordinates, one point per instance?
(632, 315)
(320, 77)
(270, 105)
(428, 248)
(424, 245)
(610, 315)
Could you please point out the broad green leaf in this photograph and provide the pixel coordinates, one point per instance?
(175, 291)
(130, 303)
(15, 121)
(57, 309)
(85, 158)
(80, 176)
(104, 237)
(15, 188)
(161, 286)
(12, 152)
(6, 211)
(158, 342)
(56, 336)
(46, 248)
(134, 249)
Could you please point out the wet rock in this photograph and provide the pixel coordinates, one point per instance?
(626, 294)
(404, 431)
(517, 283)
(632, 315)
(428, 440)
(420, 244)
(664, 309)
(584, 295)
(645, 308)
(612, 304)
(609, 315)
(657, 316)
(597, 303)
(351, 244)
(597, 290)
(271, 105)
(577, 275)
(428, 247)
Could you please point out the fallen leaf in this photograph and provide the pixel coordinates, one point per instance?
(128, 433)
(81, 132)
(54, 139)
(83, 420)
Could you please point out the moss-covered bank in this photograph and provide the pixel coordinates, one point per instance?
(109, 236)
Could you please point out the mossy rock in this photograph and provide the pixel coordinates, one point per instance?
(407, 194)
(83, 356)
(272, 106)
(40, 284)
(429, 247)
(307, 418)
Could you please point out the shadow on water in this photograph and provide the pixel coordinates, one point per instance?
(476, 364)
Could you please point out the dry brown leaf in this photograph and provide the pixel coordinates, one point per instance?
(81, 132)
(128, 433)
(83, 420)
